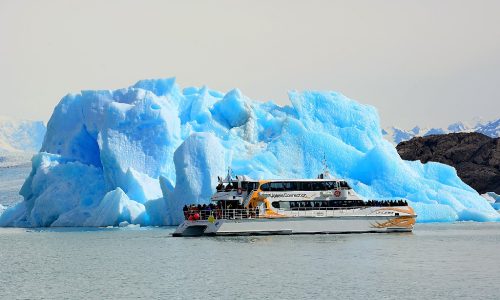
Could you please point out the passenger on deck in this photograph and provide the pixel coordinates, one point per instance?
(250, 211)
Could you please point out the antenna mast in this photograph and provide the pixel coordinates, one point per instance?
(229, 172)
(326, 172)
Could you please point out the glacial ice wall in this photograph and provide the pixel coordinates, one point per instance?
(139, 154)
(19, 139)
(20, 135)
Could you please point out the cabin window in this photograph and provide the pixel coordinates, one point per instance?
(320, 203)
(320, 186)
(284, 205)
(312, 205)
(344, 184)
(330, 185)
(307, 186)
(298, 185)
(252, 186)
(288, 186)
(277, 186)
(275, 204)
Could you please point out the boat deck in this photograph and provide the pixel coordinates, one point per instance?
(207, 213)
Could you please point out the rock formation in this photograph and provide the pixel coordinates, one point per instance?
(475, 156)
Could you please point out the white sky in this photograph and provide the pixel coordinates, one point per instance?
(419, 62)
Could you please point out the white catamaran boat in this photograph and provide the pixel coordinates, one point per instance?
(243, 206)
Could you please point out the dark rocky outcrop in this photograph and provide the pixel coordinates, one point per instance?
(475, 156)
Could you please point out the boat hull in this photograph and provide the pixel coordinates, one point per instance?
(297, 225)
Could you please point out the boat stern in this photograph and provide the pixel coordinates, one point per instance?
(398, 218)
(197, 228)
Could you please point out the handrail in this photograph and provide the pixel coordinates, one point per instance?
(247, 213)
(219, 213)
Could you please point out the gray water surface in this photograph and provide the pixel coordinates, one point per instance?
(11, 180)
(437, 261)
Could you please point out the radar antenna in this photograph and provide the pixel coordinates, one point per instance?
(229, 173)
(326, 172)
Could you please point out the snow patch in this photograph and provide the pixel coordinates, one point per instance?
(397, 135)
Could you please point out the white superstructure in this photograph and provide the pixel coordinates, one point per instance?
(243, 206)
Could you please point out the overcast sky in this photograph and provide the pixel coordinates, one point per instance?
(419, 62)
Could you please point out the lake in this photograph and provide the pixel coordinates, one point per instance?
(445, 261)
(11, 180)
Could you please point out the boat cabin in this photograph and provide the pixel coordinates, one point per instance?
(244, 197)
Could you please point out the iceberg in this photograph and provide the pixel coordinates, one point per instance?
(138, 154)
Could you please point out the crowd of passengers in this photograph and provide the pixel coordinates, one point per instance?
(311, 205)
(228, 187)
(386, 203)
(230, 211)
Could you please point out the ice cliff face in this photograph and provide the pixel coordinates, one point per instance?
(21, 135)
(139, 154)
